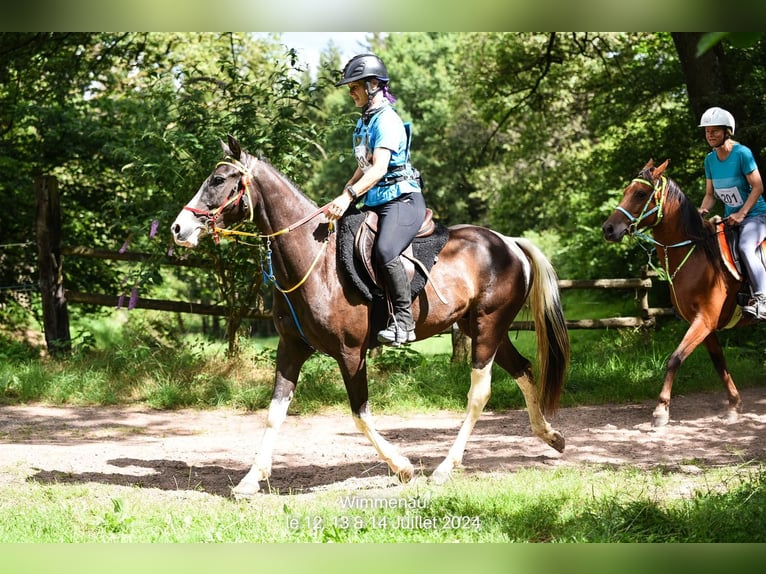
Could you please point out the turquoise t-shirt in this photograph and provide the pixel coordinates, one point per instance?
(385, 129)
(729, 181)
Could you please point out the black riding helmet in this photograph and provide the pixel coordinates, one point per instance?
(363, 66)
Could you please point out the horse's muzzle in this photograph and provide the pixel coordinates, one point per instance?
(614, 232)
(186, 230)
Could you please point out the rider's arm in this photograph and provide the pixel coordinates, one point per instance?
(709, 200)
(360, 184)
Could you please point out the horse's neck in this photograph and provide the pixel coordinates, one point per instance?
(673, 242)
(281, 204)
(281, 207)
(670, 231)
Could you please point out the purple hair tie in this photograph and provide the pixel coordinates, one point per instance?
(388, 95)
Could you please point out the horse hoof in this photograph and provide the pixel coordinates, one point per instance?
(405, 474)
(245, 491)
(731, 416)
(557, 441)
(439, 477)
(660, 419)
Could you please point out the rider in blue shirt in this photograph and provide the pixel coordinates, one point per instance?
(732, 176)
(386, 182)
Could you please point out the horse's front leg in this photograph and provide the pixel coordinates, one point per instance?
(355, 379)
(289, 363)
(696, 333)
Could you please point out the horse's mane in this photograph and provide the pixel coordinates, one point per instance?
(279, 175)
(696, 228)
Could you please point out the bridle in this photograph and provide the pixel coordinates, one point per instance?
(243, 193)
(660, 193)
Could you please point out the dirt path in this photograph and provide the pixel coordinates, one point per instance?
(212, 450)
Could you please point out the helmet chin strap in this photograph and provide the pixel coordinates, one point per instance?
(370, 92)
(726, 137)
(368, 110)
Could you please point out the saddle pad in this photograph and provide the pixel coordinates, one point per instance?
(727, 254)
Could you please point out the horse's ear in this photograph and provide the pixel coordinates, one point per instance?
(660, 168)
(232, 150)
(649, 164)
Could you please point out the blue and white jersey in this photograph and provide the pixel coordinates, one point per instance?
(385, 129)
(729, 182)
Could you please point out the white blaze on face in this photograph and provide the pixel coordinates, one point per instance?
(188, 228)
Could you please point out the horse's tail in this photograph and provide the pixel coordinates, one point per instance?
(550, 327)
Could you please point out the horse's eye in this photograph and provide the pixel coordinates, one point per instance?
(642, 193)
(218, 180)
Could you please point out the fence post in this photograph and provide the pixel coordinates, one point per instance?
(48, 228)
(461, 345)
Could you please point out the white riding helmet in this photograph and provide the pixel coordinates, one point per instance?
(717, 117)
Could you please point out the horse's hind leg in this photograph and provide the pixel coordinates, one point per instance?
(521, 370)
(478, 395)
(713, 347)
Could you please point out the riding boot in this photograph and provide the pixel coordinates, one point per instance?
(401, 327)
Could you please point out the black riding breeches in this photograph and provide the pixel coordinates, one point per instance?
(398, 222)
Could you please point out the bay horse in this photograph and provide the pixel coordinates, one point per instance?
(702, 290)
(484, 277)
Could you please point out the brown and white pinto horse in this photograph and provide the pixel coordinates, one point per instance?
(484, 276)
(702, 291)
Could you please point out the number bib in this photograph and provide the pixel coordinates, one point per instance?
(730, 196)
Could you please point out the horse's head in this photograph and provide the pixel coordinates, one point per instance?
(223, 199)
(640, 205)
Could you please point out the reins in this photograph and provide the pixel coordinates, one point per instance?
(245, 180)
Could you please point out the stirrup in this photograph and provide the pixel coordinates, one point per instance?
(395, 336)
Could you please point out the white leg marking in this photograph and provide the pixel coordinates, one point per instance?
(399, 464)
(261, 469)
(540, 426)
(478, 395)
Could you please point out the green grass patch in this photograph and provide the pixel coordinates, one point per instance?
(139, 365)
(595, 504)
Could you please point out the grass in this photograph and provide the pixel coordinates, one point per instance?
(133, 362)
(596, 504)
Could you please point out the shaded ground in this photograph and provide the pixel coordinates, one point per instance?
(211, 450)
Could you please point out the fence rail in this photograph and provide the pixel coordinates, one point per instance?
(642, 285)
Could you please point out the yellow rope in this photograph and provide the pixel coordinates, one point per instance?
(305, 277)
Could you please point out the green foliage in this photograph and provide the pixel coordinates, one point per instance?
(532, 134)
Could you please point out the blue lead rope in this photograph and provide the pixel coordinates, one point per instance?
(268, 277)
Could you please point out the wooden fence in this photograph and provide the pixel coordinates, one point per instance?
(55, 296)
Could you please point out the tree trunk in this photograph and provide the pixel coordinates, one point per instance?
(55, 312)
(461, 346)
(707, 81)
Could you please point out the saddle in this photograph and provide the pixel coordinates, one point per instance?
(365, 237)
(728, 244)
(356, 235)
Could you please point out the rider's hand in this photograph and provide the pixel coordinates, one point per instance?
(736, 218)
(338, 206)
